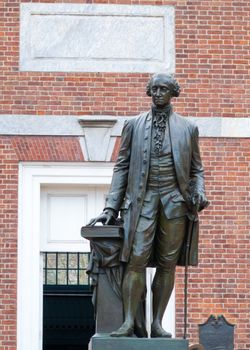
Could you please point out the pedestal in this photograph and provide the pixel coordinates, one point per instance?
(106, 270)
(105, 342)
(109, 314)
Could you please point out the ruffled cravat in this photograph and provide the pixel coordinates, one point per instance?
(160, 117)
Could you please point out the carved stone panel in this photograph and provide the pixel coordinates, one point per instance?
(97, 38)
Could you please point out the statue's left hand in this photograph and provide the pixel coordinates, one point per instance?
(199, 201)
(107, 217)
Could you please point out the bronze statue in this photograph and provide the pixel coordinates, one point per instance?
(158, 185)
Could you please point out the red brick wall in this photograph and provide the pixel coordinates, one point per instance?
(8, 244)
(212, 53)
(220, 284)
(47, 149)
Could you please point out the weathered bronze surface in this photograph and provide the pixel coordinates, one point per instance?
(158, 187)
(217, 334)
(196, 347)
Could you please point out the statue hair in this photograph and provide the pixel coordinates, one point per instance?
(171, 82)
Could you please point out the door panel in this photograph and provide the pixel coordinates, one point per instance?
(64, 210)
(68, 322)
(68, 315)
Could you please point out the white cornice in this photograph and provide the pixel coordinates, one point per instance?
(31, 125)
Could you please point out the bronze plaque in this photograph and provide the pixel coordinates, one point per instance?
(217, 334)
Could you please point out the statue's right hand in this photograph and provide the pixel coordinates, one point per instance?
(107, 217)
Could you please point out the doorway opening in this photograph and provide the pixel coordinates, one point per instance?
(68, 315)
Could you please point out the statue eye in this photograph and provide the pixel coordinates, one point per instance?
(165, 89)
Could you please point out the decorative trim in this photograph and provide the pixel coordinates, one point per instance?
(97, 145)
(30, 125)
(223, 127)
(29, 291)
(97, 122)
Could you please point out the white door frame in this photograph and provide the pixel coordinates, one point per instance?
(29, 293)
(29, 288)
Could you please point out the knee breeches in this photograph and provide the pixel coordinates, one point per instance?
(159, 240)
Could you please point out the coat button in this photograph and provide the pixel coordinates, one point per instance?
(145, 161)
(138, 199)
(143, 173)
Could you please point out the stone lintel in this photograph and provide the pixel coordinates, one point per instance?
(97, 121)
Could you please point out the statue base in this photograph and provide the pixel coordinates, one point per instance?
(105, 342)
(109, 307)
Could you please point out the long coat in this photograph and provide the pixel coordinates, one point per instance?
(128, 186)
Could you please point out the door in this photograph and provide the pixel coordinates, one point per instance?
(68, 315)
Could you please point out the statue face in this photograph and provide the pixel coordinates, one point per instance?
(160, 92)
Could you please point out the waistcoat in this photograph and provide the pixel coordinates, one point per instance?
(162, 176)
(162, 185)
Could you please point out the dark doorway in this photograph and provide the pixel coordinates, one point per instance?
(68, 316)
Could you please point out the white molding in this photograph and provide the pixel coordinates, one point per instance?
(223, 127)
(28, 304)
(131, 38)
(29, 125)
(29, 293)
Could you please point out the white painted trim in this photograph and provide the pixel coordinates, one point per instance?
(29, 293)
(28, 303)
(69, 126)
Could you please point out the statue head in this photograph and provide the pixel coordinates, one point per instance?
(163, 79)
